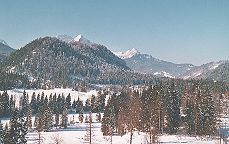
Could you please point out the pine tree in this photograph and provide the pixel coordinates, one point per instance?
(18, 128)
(6, 138)
(74, 105)
(47, 118)
(68, 101)
(173, 108)
(1, 133)
(57, 119)
(92, 104)
(33, 103)
(24, 104)
(11, 105)
(4, 104)
(64, 118)
(108, 120)
(29, 118)
(87, 105)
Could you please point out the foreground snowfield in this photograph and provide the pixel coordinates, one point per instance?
(77, 133)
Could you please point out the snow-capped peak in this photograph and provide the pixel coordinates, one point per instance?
(3, 42)
(128, 54)
(65, 38)
(82, 40)
(79, 38)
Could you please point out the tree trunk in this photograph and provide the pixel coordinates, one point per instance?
(131, 135)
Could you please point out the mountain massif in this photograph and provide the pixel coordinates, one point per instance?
(50, 62)
(144, 63)
(66, 61)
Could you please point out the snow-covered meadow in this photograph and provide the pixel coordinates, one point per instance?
(77, 133)
(17, 93)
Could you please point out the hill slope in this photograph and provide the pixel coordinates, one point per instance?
(214, 70)
(145, 63)
(5, 50)
(50, 62)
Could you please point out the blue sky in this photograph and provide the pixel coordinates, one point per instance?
(180, 31)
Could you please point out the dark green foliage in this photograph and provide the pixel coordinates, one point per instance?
(68, 101)
(173, 108)
(44, 119)
(1, 133)
(10, 80)
(18, 129)
(108, 120)
(4, 105)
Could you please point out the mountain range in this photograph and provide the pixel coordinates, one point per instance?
(145, 63)
(51, 62)
(5, 50)
(62, 60)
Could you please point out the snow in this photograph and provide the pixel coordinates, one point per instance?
(127, 54)
(82, 40)
(3, 42)
(65, 38)
(215, 65)
(164, 74)
(77, 134)
(17, 93)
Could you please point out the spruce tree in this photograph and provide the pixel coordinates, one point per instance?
(68, 101)
(173, 108)
(1, 133)
(18, 128)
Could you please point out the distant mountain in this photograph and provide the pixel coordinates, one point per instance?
(221, 73)
(145, 63)
(214, 70)
(5, 50)
(127, 54)
(3, 42)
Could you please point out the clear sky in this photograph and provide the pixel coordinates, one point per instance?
(180, 31)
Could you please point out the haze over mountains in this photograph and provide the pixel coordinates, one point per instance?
(51, 61)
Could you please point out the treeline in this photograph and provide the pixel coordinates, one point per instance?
(174, 106)
(50, 111)
(12, 80)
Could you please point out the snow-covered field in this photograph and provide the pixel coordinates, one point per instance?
(77, 133)
(17, 93)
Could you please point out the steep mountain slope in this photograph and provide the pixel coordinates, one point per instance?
(214, 70)
(5, 50)
(52, 62)
(221, 73)
(145, 63)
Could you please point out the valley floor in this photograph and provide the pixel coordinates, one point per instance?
(78, 134)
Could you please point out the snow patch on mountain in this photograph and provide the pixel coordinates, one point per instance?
(214, 65)
(202, 71)
(82, 40)
(127, 54)
(3, 42)
(65, 38)
(163, 74)
(79, 38)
